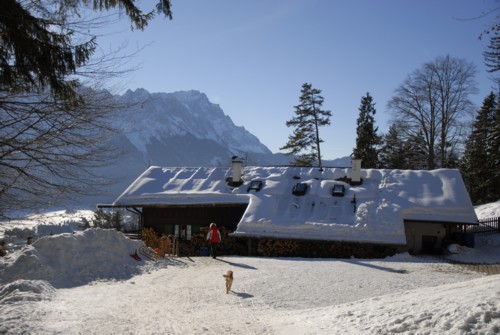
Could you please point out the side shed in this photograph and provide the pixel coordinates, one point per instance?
(430, 237)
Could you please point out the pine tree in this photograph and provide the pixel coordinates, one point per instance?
(41, 46)
(106, 220)
(476, 161)
(494, 154)
(402, 151)
(392, 152)
(415, 152)
(367, 139)
(309, 116)
(492, 57)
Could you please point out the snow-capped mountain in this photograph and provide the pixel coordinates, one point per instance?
(185, 129)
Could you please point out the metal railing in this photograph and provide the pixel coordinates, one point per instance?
(486, 226)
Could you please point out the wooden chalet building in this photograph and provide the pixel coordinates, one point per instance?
(418, 211)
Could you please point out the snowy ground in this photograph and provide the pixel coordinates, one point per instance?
(490, 210)
(86, 283)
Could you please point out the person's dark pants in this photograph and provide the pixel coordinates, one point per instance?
(213, 247)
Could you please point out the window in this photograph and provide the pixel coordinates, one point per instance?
(299, 189)
(338, 190)
(255, 185)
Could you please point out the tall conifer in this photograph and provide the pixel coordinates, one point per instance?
(478, 171)
(309, 116)
(392, 152)
(367, 139)
(494, 154)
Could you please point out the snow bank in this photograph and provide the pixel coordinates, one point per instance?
(430, 310)
(43, 224)
(491, 210)
(25, 290)
(72, 259)
(40, 230)
(486, 251)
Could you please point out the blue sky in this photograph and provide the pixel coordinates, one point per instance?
(252, 57)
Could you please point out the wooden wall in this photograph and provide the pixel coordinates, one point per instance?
(162, 219)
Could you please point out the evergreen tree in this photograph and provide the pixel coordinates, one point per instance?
(392, 153)
(367, 139)
(105, 220)
(476, 161)
(492, 57)
(402, 151)
(415, 152)
(309, 116)
(494, 154)
(43, 43)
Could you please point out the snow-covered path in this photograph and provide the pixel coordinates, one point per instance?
(270, 296)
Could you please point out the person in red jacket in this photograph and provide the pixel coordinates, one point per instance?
(213, 237)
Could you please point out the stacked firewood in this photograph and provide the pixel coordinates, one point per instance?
(192, 247)
(228, 246)
(165, 246)
(277, 248)
(231, 245)
(321, 249)
(150, 237)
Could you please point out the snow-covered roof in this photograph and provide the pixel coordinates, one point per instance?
(383, 201)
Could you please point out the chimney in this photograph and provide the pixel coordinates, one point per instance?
(356, 172)
(237, 164)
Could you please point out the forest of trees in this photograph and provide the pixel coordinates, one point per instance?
(431, 126)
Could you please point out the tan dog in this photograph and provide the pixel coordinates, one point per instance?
(229, 280)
